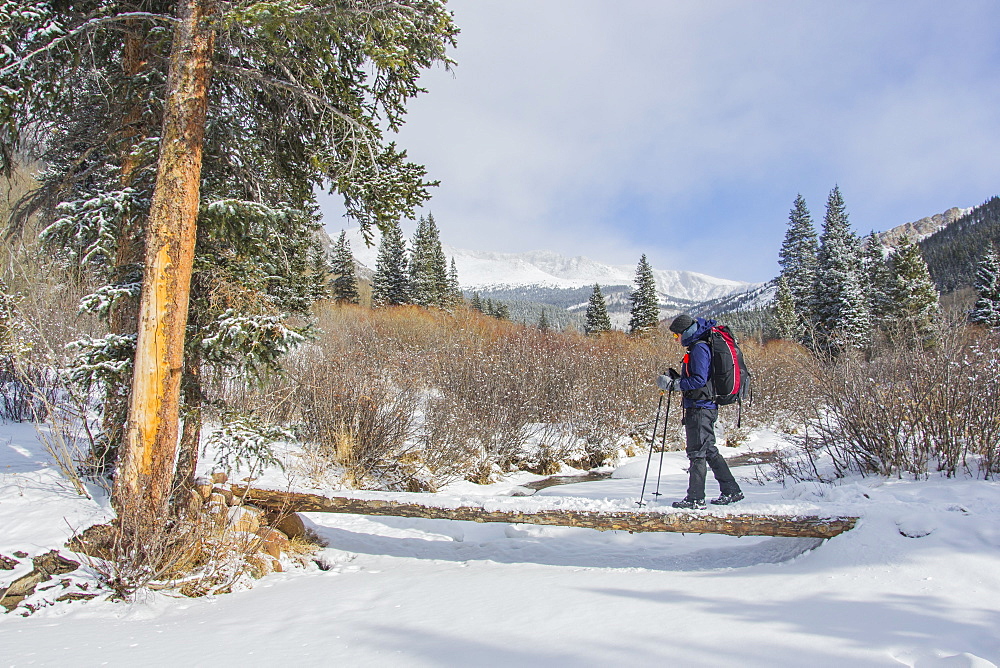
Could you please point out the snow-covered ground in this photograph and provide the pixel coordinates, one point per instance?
(917, 583)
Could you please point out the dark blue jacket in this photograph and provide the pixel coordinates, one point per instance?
(696, 367)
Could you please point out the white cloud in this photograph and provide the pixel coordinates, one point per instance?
(614, 129)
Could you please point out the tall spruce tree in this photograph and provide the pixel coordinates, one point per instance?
(786, 322)
(543, 322)
(877, 275)
(344, 287)
(428, 268)
(840, 303)
(391, 283)
(798, 257)
(454, 293)
(597, 320)
(913, 295)
(645, 313)
(986, 310)
(194, 134)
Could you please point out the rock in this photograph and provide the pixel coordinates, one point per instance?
(195, 501)
(275, 564)
(259, 565)
(273, 541)
(218, 500)
(226, 493)
(20, 555)
(204, 487)
(290, 524)
(7, 564)
(52, 563)
(242, 518)
(218, 511)
(94, 541)
(76, 596)
(220, 478)
(45, 566)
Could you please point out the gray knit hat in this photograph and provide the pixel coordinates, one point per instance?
(680, 323)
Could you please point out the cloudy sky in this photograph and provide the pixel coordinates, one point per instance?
(684, 130)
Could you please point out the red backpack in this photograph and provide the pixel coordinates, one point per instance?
(729, 373)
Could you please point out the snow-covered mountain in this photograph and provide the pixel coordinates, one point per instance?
(486, 271)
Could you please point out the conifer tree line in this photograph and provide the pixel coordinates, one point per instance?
(420, 276)
(954, 253)
(493, 308)
(837, 291)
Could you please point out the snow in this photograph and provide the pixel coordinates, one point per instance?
(916, 583)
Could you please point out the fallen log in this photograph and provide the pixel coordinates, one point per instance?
(794, 526)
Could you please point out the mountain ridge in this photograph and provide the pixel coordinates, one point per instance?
(491, 271)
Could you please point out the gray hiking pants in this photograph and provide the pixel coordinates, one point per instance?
(699, 425)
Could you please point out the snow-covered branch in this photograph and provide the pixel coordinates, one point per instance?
(86, 26)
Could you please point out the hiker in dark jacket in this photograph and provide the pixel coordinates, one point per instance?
(700, 413)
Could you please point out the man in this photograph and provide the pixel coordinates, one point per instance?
(700, 413)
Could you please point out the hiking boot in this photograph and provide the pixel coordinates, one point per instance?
(726, 499)
(694, 504)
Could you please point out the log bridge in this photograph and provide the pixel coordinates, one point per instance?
(744, 524)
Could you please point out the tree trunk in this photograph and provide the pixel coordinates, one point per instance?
(187, 457)
(621, 520)
(124, 315)
(146, 467)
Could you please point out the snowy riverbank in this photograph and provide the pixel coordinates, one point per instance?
(915, 584)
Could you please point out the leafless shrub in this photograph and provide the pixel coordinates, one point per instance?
(615, 394)
(552, 444)
(447, 438)
(26, 391)
(784, 376)
(908, 409)
(192, 553)
(68, 440)
(357, 417)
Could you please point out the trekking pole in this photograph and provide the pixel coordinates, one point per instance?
(649, 457)
(663, 444)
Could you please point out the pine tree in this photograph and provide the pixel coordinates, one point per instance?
(786, 323)
(345, 283)
(454, 293)
(913, 295)
(502, 311)
(597, 319)
(986, 310)
(877, 277)
(798, 257)
(543, 322)
(840, 308)
(476, 302)
(428, 269)
(645, 302)
(391, 283)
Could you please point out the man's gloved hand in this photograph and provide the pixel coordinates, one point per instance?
(673, 373)
(666, 383)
